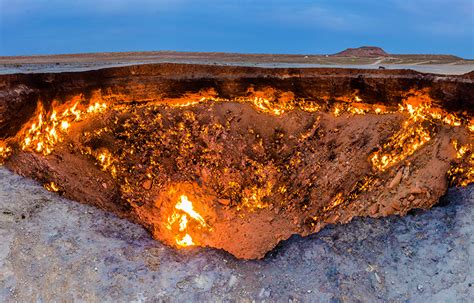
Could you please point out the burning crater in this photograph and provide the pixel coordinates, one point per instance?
(240, 158)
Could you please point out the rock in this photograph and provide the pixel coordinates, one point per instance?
(232, 281)
(396, 180)
(264, 293)
(182, 284)
(406, 172)
(147, 184)
(224, 201)
(417, 190)
(377, 278)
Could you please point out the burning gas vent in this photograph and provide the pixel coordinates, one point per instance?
(240, 158)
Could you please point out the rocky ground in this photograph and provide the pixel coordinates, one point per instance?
(438, 64)
(52, 249)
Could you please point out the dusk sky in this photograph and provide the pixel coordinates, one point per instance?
(30, 27)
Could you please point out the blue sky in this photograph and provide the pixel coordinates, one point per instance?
(30, 27)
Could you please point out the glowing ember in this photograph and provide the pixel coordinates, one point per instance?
(106, 162)
(361, 186)
(462, 174)
(253, 197)
(401, 145)
(5, 152)
(416, 131)
(51, 186)
(461, 150)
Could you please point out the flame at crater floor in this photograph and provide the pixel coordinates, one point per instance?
(183, 208)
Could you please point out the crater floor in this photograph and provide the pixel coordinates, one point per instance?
(55, 249)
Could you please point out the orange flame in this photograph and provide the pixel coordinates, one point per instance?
(51, 186)
(185, 208)
(48, 129)
(185, 241)
(412, 136)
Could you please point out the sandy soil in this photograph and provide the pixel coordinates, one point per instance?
(52, 249)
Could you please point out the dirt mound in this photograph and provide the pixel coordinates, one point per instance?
(363, 51)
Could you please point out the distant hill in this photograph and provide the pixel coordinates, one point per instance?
(363, 51)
